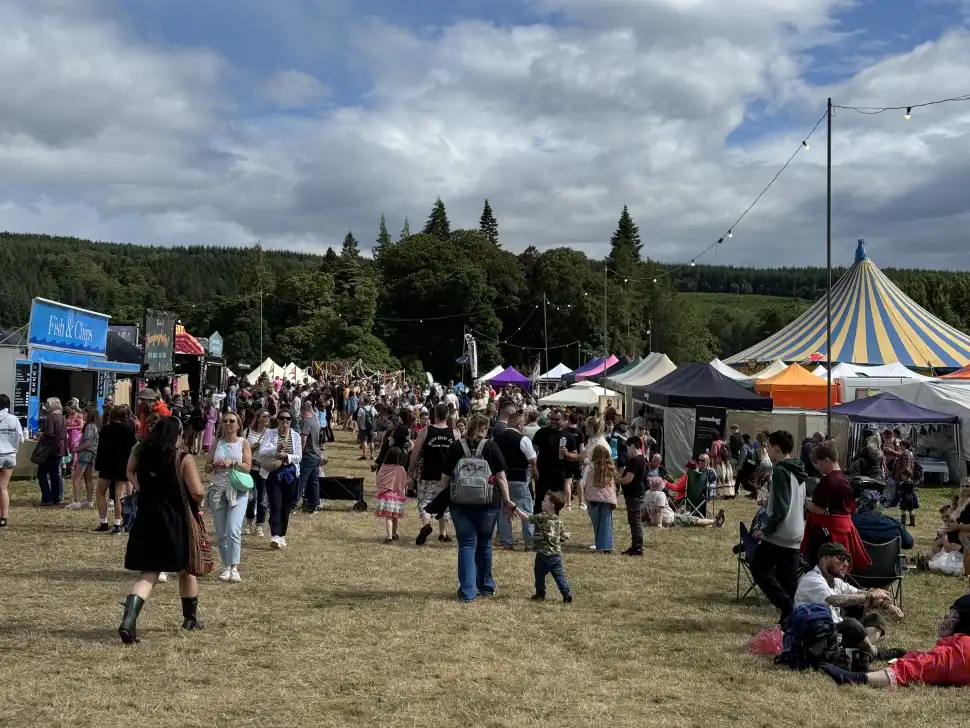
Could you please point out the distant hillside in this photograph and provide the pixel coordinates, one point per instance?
(746, 306)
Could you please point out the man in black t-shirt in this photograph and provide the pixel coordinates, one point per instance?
(552, 461)
(634, 489)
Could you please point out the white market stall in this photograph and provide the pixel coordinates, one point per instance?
(493, 373)
(582, 394)
(555, 374)
(730, 372)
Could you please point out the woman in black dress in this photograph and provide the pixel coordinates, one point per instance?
(159, 539)
(114, 447)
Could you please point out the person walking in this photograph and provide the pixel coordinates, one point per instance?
(634, 486)
(115, 442)
(256, 508)
(556, 451)
(11, 437)
(280, 453)
(521, 473)
(775, 563)
(475, 524)
(599, 484)
(159, 538)
(226, 497)
(430, 452)
(211, 420)
(309, 486)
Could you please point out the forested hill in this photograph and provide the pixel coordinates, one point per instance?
(411, 303)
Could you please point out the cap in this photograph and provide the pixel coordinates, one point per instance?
(147, 393)
(833, 549)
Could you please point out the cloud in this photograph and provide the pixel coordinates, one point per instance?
(292, 89)
(682, 109)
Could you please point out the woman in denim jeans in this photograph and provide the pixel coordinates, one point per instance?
(231, 452)
(475, 525)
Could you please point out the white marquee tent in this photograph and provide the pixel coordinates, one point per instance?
(889, 371)
(582, 394)
(771, 370)
(557, 372)
(729, 371)
(269, 367)
(494, 373)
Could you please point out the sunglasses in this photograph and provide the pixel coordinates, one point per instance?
(284, 418)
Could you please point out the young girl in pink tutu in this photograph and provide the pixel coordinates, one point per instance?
(392, 480)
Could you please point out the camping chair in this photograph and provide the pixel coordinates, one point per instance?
(886, 569)
(746, 547)
(695, 499)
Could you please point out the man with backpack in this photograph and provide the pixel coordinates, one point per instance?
(776, 559)
(366, 417)
(824, 585)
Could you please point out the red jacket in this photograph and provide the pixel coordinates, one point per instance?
(843, 531)
(946, 664)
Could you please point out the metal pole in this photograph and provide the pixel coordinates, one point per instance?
(650, 334)
(261, 360)
(605, 344)
(545, 329)
(828, 269)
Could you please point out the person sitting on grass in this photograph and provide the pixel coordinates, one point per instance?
(547, 542)
(853, 610)
(657, 511)
(392, 480)
(946, 664)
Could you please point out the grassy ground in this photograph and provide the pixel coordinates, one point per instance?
(339, 630)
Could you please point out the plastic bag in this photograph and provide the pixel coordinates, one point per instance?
(767, 642)
(947, 563)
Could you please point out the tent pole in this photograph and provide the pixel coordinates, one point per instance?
(828, 269)
(545, 329)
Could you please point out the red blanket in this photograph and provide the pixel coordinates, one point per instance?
(843, 531)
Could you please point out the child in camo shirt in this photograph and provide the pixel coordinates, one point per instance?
(547, 542)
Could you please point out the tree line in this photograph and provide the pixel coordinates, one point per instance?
(411, 301)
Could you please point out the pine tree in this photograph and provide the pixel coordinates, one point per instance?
(406, 230)
(350, 248)
(383, 238)
(438, 224)
(489, 225)
(625, 245)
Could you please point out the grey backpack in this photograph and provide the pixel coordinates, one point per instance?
(471, 483)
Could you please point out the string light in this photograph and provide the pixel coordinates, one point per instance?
(805, 144)
(730, 233)
(908, 108)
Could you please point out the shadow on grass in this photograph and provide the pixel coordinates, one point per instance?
(356, 598)
(105, 636)
(82, 574)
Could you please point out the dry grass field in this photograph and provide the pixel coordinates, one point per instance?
(340, 630)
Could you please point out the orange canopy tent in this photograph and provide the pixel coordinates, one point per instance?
(795, 386)
(958, 374)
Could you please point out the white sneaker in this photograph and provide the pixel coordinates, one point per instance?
(225, 575)
(259, 531)
(283, 541)
(87, 504)
(276, 543)
(234, 575)
(75, 506)
(582, 507)
(163, 577)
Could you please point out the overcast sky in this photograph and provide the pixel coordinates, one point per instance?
(226, 121)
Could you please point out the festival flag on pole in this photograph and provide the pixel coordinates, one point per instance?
(471, 351)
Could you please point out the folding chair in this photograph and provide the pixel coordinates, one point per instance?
(886, 570)
(746, 547)
(695, 500)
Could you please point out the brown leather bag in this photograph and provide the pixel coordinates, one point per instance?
(201, 557)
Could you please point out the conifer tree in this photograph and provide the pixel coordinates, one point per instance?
(383, 238)
(350, 248)
(406, 230)
(489, 225)
(438, 224)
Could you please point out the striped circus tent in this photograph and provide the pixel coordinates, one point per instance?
(873, 323)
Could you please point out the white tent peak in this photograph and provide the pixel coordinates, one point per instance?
(557, 372)
(728, 371)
